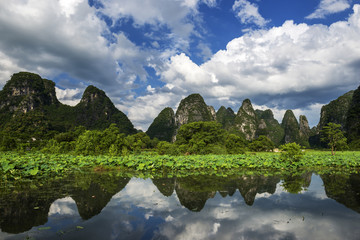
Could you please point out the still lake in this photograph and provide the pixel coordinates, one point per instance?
(108, 205)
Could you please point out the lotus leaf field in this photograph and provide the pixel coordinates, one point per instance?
(16, 166)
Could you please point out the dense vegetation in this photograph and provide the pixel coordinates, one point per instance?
(199, 146)
(353, 121)
(192, 138)
(196, 138)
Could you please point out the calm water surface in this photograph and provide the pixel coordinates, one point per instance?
(106, 206)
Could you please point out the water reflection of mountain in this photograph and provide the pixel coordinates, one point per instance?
(194, 191)
(97, 193)
(165, 185)
(28, 206)
(20, 210)
(344, 189)
(249, 186)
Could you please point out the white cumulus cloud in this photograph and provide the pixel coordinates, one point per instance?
(178, 16)
(248, 12)
(327, 7)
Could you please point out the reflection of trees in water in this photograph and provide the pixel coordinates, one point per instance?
(25, 207)
(344, 189)
(296, 182)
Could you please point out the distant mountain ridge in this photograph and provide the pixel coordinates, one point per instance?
(250, 123)
(29, 107)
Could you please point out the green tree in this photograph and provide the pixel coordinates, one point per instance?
(201, 138)
(332, 134)
(235, 144)
(89, 143)
(138, 142)
(261, 144)
(164, 147)
(7, 142)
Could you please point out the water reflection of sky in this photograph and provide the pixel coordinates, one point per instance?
(140, 211)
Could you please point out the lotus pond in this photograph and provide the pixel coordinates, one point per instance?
(192, 197)
(16, 166)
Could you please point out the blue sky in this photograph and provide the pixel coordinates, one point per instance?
(148, 55)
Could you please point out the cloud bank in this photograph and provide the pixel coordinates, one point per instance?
(292, 66)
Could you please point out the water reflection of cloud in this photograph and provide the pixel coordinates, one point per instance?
(258, 223)
(63, 206)
(142, 193)
(3, 235)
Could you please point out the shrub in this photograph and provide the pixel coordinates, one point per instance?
(291, 153)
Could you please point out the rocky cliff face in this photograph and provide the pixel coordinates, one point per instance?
(226, 117)
(353, 118)
(23, 101)
(245, 120)
(304, 126)
(304, 131)
(269, 126)
(336, 111)
(163, 127)
(291, 128)
(212, 112)
(193, 109)
(25, 92)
